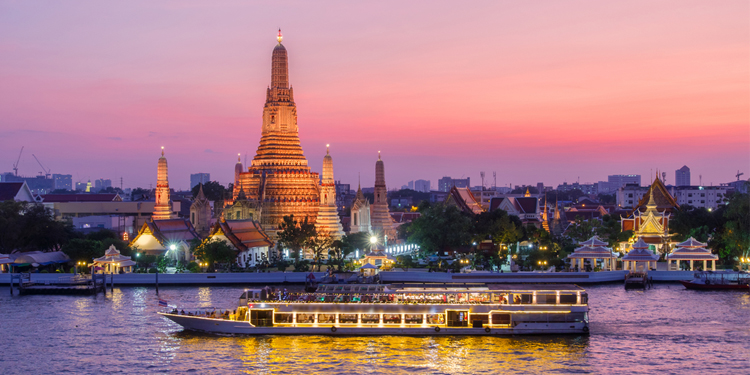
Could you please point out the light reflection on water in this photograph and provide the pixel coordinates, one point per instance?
(666, 329)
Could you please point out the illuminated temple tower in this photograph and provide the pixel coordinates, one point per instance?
(163, 206)
(278, 178)
(328, 217)
(380, 217)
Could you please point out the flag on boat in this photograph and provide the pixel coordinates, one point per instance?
(162, 303)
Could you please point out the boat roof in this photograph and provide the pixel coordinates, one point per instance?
(436, 288)
(532, 287)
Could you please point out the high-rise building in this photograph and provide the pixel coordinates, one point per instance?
(63, 181)
(163, 206)
(382, 223)
(682, 176)
(328, 221)
(278, 178)
(617, 181)
(199, 178)
(446, 183)
(102, 184)
(422, 186)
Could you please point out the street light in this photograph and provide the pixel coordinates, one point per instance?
(173, 247)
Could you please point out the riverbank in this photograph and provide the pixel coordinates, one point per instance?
(145, 279)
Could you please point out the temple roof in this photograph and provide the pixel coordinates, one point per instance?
(593, 241)
(691, 242)
(464, 199)
(640, 252)
(60, 198)
(244, 234)
(168, 230)
(662, 198)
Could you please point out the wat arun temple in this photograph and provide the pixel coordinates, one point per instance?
(279, 182)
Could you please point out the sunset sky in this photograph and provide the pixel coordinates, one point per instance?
(542, 91)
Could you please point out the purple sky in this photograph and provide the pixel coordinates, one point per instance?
(538, 92)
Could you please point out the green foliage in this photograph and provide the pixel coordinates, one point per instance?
(282, 265)
(213, 190)
(215, 251)
(405, 262)
(28, 226)
(181, 267)
(610, 230)
(734, 240)
(193, 267)
(319, 246)
(152, 270)
(440, 228)
(83, 250)
(302, 266)
(161, 264)
(294, 235)
(498, 226)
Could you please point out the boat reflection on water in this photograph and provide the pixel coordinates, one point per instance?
(391, 354)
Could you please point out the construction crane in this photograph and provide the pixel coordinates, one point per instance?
(739, 174)
(15, 165)
(45, 170)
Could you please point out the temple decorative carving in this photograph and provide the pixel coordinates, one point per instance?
(163, 206)
(328, 222)
(278, 179)
(380, 217)
(360, 213)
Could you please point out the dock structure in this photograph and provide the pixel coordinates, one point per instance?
(74, 285)
(638, 280)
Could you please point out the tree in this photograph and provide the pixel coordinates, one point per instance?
(319, 245)
(440, 228)
(215, 251)
(28, 226)
(405, 262)
(734, 239)
(295, 235)
(610, 230)
(496, 225)
(213, 191)
(86, 250)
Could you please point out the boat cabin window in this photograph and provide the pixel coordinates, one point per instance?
(261, 318)
(584, 298)
(500, 298)
(522, 299)
(306, 318)
(568, 299)
(283, 318)
(370, 318)
(326, 318)
(392, 318)
(458, 318)
(348, 318)
(500, 318)
(435, 319)
(479, 320)
(413, 318)
(546, 299)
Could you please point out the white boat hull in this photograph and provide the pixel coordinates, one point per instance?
(231, 327)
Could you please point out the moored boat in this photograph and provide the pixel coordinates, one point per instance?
(719, 280)
(374, 309)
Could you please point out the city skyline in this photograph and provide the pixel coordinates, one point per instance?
(540, 92)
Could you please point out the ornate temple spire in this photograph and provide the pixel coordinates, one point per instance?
(557, 211)
(527, 194)
(163, 206)
(381, 220)
(279, 66)
(237, 170)
(328, 221)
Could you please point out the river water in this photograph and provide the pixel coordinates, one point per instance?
(665, 330)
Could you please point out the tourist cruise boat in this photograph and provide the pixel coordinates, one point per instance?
(374, 309)
(719, 280)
